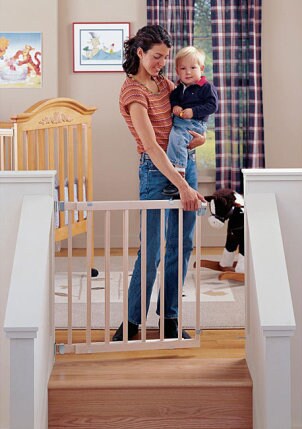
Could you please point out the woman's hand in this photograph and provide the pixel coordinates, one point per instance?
(198, 140)
(190, 198)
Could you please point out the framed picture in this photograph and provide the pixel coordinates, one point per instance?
(20, 60)
(98, 46)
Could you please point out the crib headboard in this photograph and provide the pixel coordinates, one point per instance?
(55, 134)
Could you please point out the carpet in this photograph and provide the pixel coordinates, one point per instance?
(222, 303)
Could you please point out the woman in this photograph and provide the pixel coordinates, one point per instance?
(145, 105)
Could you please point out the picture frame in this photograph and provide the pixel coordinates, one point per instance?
(98, 46)
(21, 60)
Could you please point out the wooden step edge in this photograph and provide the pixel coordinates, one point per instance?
(133, 386)
(158, 373)
(151, 383)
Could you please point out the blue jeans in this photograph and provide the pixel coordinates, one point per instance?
(152, 182)
(180, 138)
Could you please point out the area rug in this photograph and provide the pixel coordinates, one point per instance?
(222, 303)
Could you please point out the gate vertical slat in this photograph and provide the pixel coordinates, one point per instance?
(107, 276)
(89, 265)
(162, 273)
(197, 273)
(180, 270)
(125, 273)
(69, 292)
(143, 273)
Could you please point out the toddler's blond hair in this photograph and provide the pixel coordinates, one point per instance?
(198, 54)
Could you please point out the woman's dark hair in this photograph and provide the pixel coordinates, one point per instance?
(145, 38)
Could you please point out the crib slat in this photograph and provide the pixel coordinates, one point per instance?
(180, 271)
(51, 149)
(31, 150)
(41, 149)
(19, 149)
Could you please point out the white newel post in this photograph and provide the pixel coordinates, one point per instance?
(278, 379)
(22, 344)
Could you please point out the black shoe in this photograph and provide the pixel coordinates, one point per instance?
(132, 331)
(171, 329)
(170, 191)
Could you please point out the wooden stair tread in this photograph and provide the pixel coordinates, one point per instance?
(152, 372)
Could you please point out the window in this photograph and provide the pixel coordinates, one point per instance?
(205, 155)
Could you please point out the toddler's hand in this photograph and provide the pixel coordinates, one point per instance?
(186, 114)
(177, 110)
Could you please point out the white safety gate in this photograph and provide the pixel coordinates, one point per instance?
(108, 208)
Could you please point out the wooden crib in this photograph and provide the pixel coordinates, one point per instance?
(54, 134)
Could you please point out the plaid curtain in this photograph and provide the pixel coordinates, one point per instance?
(177, 17)
(236, 38)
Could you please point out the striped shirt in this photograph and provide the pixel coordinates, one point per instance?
(157, 105)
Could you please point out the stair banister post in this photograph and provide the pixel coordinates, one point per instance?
(278, 377)
(22, 412)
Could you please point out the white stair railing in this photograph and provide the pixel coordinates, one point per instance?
(26, 280)
(125, 207)
(270, 320)
(29, 319)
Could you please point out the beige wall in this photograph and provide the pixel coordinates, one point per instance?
(282, 88)
(115, 159)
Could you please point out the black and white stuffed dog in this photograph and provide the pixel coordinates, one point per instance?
(226, 204)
